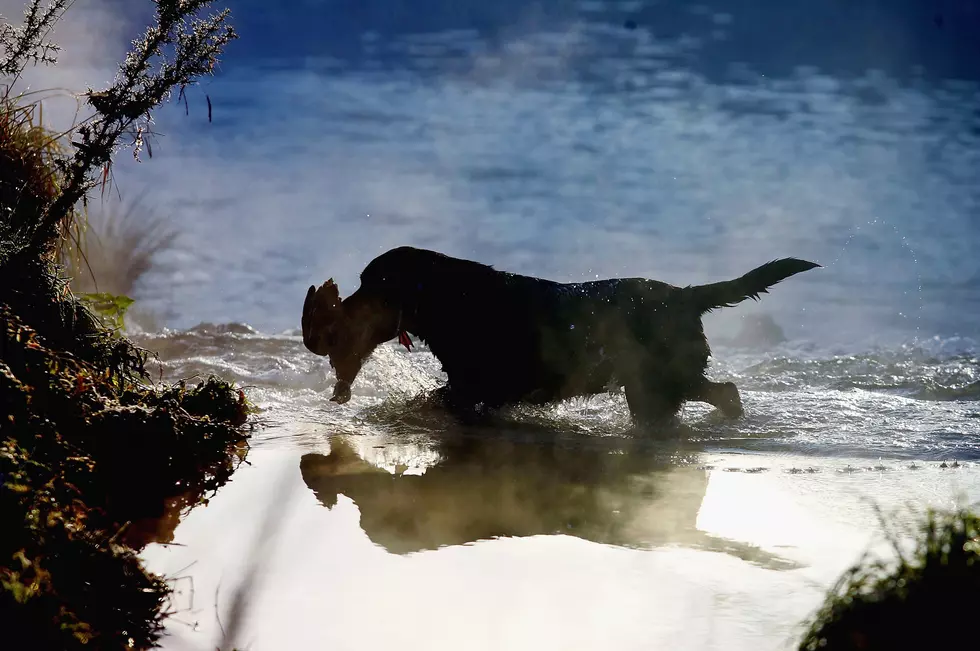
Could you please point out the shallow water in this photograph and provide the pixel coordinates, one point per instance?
(524, 542)
(383, 522)
(559, 143)
(907, 403)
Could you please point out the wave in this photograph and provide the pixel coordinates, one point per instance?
(915, 373)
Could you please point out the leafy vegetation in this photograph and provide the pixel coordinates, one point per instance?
(111, 308)
(925, 595)
(90, 450)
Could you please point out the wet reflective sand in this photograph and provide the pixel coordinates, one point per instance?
(526, 540)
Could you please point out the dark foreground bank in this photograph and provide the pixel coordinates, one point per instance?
(92, 452)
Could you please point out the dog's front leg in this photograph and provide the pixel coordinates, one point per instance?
(723, 396)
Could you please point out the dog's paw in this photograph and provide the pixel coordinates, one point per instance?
(341, 393)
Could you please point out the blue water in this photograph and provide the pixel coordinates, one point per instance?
(576, 140)
(573, 147)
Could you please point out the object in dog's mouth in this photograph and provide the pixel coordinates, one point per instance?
(341, 392)
(405, 340)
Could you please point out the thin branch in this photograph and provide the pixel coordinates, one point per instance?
(173, 52)
(28, 43)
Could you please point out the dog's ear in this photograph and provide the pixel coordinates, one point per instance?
(308, 304)
(308, 311)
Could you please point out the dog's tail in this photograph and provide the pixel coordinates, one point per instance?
(758, 281)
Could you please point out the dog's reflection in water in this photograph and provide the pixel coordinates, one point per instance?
(610, 492)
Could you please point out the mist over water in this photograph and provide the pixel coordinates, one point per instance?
(574, 152)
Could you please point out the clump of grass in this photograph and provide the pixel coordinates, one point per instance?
(117, 249)
(29, 180)
(924, 599)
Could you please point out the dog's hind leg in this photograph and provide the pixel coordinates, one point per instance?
(723, 396)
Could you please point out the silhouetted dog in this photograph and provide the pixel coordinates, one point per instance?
(505, 339)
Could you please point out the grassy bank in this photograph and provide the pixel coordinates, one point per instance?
(923, 599)
(92, 453)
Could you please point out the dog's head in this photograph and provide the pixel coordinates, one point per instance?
(327, 332)
(346, 332)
